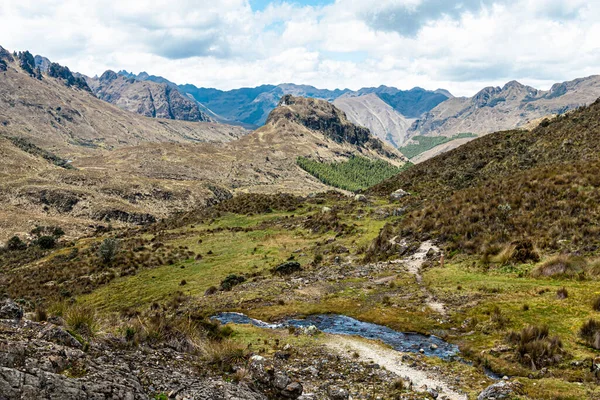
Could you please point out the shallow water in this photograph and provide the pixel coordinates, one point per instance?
(432, 346)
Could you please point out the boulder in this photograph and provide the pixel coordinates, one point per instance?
(399, 194)
(337, 393)
(56, 334)
(500, 390)
(10, 310)
(292, 391)
(360, 197)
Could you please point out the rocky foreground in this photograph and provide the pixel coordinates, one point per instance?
(43, 360)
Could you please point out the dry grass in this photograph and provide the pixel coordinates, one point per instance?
(590, 333)
(507, 186)
(535, 348)
(225, 355)
(82, 319)
(561, 266)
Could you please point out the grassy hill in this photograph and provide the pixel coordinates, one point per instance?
(509, 186)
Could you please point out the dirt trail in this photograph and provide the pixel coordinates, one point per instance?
(414, 264)
(392, 361)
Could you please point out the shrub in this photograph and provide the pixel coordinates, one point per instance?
(590, 333)
(108, 250)
(497, 318)
(210, 291)
(230, 281)
(15, 243)
(287, 268)
(535, 348)
(562, 266)
(46, 242)
(593, 268)
(40, 315)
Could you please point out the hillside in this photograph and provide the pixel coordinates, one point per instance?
(265, 160)
(510, 185)
(512, 106)
(376, 115)
(73, 121)
(150, 99)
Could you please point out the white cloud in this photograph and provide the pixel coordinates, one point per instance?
(461, 46)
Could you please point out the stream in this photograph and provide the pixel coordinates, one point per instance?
(406, 342)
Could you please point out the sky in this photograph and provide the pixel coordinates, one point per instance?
(461, 45)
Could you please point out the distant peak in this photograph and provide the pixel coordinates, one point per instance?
(513, 84)
(108, 76)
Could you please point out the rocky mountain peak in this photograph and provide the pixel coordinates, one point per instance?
(485, 95)
(325, 118)
(5, 55)
(108, 76)
(514, 85)
(42, 63)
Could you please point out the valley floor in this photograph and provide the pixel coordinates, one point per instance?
(179, 269)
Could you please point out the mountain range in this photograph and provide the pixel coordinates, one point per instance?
(393, 115)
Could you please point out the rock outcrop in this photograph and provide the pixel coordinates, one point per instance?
(151, 99)
(43, 361)
(501, 390)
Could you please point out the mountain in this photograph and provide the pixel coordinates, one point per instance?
(265, 161)
(512, 106)
(410, 103)
(148, 98)
(371, 111)
(252, 106)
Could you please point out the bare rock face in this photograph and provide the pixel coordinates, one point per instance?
(10, 310)
(151, 99)
(43, 361)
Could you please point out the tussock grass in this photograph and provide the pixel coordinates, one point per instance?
(535, 347)
(590, 333)
(561, 266)
(82, 319)
(225, 355)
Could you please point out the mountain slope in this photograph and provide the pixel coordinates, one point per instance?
(410, 103)
(265, 160)
(151, 99)
(509, 107)
(73, 121)
(376, 115)
(509, 186)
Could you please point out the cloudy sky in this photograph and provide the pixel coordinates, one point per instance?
(459, 45)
